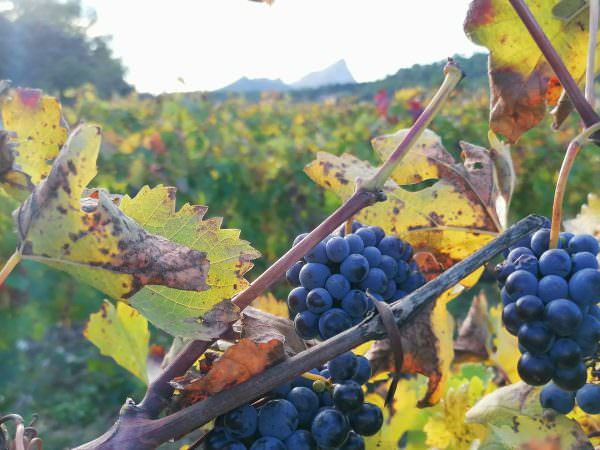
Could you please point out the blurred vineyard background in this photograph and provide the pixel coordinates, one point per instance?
(243, 156)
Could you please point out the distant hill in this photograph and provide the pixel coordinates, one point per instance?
(245, 85)
(337, 73)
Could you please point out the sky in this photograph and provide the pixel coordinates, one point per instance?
(186, 45)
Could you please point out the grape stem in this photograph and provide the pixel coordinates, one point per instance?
(9, 266)
(591, 54)
(563, 176)
(452, 76)
(585, 110)
(159, 390)
(134, 431)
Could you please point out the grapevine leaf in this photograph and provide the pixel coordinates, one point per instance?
(91, 238)
(269, 304)
(504, 350)
(36, 120)
(237, 364)
(13, 180)
(588, 220)
(519, 74)
(121, 333)
(516, 420)
(254, 323)
(444, 222)
(473, 338)
(187, 313)
(427, 347)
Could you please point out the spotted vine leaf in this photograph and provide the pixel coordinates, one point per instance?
(588, 220)
(91, 238)
(519, 74)
(122, 333)
(13, 180)
(35, 119)
(444, 222)
(238, 363)
(188, 313)
(516, 420)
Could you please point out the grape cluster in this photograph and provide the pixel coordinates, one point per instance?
(550, 301)
(304, 414)
(331, 280)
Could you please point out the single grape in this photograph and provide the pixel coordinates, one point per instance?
(333, 322)
(403, 272)
(330, 428)
(343, 367)
(292, 275)
(583, 243)
(392, 246)
(314, 275)
(325, 398)
(563, 316)
(375, 281)
(367, 420)
(282, 390)
(367, 236)
(373, 256)
(540, 241)
(518, 252)
(528, 263)
(217, 439)
(355, 268)
(587, 335)
(354, 442)
(584, 286)
(407, 253)
(588, 398)
(348, 396)
(242, 421)
(307, 324)
(268, 443)
(571, 378)
(363, 370)
(565, 353)
(583, 260)
(378, 232)
(318, 301)
(355, 243)
(529, 308)
(355, 303)
(338, 286)
(306, 403)
(552, 287)
(535, 370)
(556, 398)
(536, 337)
(297, 300)
(337, 249)
(510, 319)
(506, 299)
(317, 254)
(301, 440)
(518, 284)
(299, 238)
(390, 290)
(555, 262)
(389, 266)
(278, 419)
(414, 281)
(503, 270)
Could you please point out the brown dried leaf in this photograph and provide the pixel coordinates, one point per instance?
(473, 338)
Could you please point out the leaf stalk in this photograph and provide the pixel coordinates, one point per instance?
(9, 266)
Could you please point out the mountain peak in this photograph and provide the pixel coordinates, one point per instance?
(337, 73)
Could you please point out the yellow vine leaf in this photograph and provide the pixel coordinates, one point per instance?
(268, 303)
(588, 220)
(13, 180)
(187, 313)
(520, 76)
(505, 349)
(516, 420)
(121, 333)
(36, 120)
(93, 240)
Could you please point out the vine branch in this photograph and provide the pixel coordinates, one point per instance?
(159, 391)
(133, 432)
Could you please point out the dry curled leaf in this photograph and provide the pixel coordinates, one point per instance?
(92, 239)
(473, 338)
(520, 76)
(237, 364)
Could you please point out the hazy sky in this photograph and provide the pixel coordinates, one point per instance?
(211, 43)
